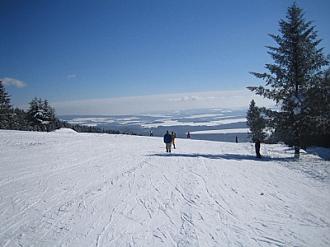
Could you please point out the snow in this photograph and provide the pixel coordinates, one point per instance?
(59, 189)
(297, 101)
(66, 131)
(221, 131)
(90, 121)
(205, 115)
(170, 122)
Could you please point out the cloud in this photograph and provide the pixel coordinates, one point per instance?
(71, 76)
(234, 99)
(185, 98)
(191, 98)
(13, 82)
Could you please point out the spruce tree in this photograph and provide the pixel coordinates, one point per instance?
(255, 122)
(33, 113)
(6, 111)
(20, 120)
(296, 69)
(48, 116)
(318, 100)
(41, 115)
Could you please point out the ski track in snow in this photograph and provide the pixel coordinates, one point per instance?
(60, 189)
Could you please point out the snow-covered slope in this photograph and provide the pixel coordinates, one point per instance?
(60, 189)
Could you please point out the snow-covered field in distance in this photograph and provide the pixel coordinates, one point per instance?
(72, 189)
(180, 122)
(221, 131)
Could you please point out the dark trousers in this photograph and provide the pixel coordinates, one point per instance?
(258, 152)
(168, 147)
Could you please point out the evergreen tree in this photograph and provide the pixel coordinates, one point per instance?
(41, 115)
(319, 103)
(297, 68)
(20, 121)
(255, 122)
(6, 111)
(49, 116)
(33, 114)
(318, 100)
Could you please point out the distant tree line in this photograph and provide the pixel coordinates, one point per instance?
(298, 83)
(39, 117)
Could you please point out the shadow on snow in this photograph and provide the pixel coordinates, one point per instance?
(224, 156)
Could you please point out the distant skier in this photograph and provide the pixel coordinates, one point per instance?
(168, 142)
(257, 147)
(151, 134)
(188, 135)
(173, 135)
(236, 140)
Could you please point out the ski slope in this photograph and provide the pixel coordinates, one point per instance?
(70, 189)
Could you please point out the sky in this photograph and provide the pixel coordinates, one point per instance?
(162, 103)
(77, 52)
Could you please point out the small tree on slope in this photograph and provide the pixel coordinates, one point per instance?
(297, 68)
(255, 122)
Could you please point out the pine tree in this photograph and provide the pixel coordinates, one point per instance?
(33, 113)
(41, 115)
(48, 116)
(20, 120)
(297, 68)
(319, 104)
(318, 100)
(255, 122)
(6, 111)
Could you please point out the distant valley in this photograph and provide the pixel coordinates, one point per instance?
(209, 124)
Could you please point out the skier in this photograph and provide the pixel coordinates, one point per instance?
(236, 140)
(257, 147)
(151, 134)
(173, 135)
(168, 142)
(188, 135)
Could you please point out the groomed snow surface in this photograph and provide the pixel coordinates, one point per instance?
(70, 189)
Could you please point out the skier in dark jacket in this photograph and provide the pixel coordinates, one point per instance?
(257, 146)
(168, 141)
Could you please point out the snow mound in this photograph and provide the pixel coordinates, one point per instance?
(66, 131)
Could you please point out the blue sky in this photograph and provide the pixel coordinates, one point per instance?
(77, 50)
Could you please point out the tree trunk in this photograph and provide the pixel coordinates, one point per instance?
(296, 152)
